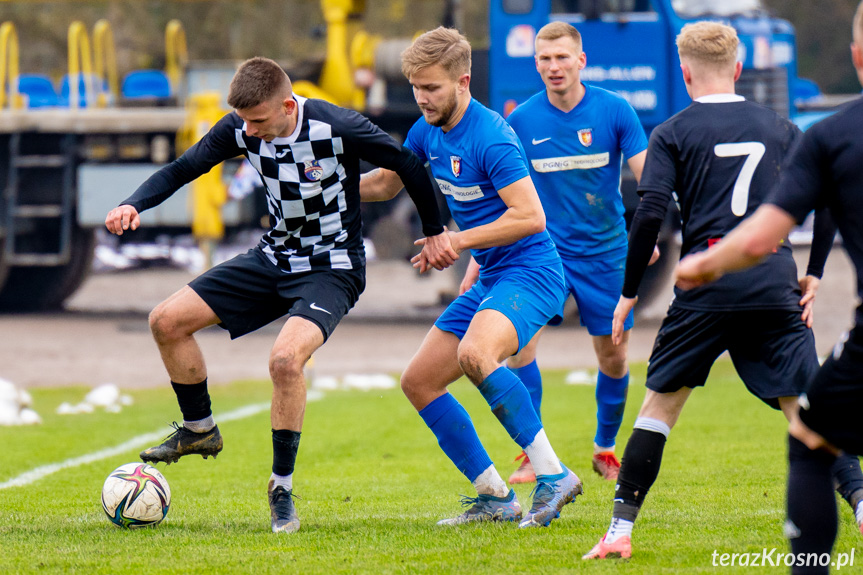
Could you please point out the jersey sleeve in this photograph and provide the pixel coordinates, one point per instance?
(504, 161)
(803, 184)
(415, 141)
(217, 145)
(655, 189)
(379, 148)
(630, 132)
(660, 170)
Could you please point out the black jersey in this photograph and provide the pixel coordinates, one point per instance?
(311, 179)
(719, 159)
(826, 170)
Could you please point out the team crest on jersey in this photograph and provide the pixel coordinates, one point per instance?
(455, 164)
(585, 136)
(313, 170)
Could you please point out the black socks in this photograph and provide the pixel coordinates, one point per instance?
(812, 519)
(194, 400)
(285, 446)
(638, 471)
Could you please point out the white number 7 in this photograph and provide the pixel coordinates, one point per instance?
(755, 151)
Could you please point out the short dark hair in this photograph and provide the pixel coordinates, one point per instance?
(257, 80)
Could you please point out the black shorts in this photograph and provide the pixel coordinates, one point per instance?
(834, 399)
(773, 351)
(249, 291)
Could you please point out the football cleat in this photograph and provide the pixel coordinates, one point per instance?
(283, 514)
(606, 465)
(487, 508)
(184, 442)
(551, 493)
(620, 549)
(525, 472)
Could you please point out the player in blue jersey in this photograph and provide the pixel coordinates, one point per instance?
(480, 166)
(575, 136)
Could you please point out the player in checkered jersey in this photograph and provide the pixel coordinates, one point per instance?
(309, 266)
(480, 166)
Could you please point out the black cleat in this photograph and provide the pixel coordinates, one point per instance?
(184, 442)
(282, 511)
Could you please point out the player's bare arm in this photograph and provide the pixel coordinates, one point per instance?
(471, 276)
(621, 312)
(122, 218)
(379, 185)
(524, 216)
(745, 246)
(437, 252)
(636, 164)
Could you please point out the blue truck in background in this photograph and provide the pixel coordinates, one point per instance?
(630, 48)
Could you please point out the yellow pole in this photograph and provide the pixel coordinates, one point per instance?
(9, 66)
(106, 61)
(80, 61)
(209, 192)
(336, 77)
(176, 54)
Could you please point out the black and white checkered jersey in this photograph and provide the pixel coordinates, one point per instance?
(311, 179)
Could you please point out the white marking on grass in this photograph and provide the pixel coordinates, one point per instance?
(41, 472)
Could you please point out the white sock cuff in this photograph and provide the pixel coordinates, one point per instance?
(201, 425)
(650, 424)
(286, 481)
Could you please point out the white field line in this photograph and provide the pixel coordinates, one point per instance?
(38, 473)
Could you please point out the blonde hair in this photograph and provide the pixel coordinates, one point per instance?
(708, 43)
(857, 32)
(257, 80)
(446, 47)
(555, 30)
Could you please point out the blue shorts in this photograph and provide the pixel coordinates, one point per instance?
(596, 284)
(528, 297)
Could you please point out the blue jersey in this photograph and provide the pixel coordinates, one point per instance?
(479, 156)
(575, 162)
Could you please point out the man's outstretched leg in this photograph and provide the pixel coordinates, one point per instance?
(173, 324)
(639, 470)
(424, 382)
(491, 338)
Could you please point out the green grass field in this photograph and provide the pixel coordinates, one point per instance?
(373, 482)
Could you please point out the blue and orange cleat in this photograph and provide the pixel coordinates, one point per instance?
(551, 493)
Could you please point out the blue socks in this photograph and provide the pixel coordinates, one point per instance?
(456, 435)
(532, 380)
(511, 404)
(610, 403)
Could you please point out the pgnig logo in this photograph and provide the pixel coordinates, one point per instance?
(775, 558)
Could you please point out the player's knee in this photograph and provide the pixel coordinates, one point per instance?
(286, 365)
(162, 325)
(613, 364)
(470, 358)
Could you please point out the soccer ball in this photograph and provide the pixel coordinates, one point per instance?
(136, 495)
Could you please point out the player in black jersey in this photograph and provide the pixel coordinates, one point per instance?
(718, 158)
(309, 266)
(824, 171)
